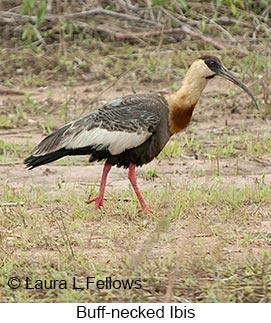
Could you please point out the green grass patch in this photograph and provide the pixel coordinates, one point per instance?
(215, 242)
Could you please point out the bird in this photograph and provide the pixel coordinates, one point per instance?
(132, 130)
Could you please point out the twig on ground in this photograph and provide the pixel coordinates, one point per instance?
(12, 17)
(8, 90)
(12, 204)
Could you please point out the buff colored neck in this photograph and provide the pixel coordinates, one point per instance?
(182, 103)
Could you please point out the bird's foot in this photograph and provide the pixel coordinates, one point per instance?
(146, 210)
(99, 202)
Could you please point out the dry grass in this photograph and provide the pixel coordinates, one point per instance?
(210, 235)
(203, 244)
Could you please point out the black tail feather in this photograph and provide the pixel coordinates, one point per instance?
(35, 161)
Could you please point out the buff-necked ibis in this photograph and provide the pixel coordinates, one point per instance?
(132, 130)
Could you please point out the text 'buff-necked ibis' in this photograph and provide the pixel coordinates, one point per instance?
(132, 130)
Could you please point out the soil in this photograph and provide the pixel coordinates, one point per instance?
(193, 169)
(204, 120)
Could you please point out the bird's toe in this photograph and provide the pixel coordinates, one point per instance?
(147, 210)
(98, 202)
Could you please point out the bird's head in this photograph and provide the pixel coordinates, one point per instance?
(209, 66)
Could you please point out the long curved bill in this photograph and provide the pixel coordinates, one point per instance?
(223, 72)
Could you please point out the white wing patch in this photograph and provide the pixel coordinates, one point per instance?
(115, 102)
(115, 141)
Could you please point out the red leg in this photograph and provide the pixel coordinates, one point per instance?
(99, 199)
(132, 179)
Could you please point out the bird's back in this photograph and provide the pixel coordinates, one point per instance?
(155, 105)
(131, 129)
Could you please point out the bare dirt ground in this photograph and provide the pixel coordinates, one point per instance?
(189, 228)
(204, 120)
(209, 237)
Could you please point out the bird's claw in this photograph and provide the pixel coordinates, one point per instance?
(98, 202)
(147, 211)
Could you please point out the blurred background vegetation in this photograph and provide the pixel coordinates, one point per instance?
(110, 44)
(67, 35)
(209, 240)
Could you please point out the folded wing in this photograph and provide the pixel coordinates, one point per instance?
(120, 125)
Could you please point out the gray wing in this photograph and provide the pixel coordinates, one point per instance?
(121, 124)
